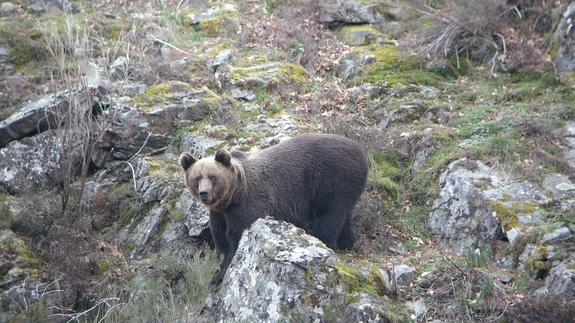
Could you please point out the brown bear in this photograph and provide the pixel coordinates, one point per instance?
(312, 181)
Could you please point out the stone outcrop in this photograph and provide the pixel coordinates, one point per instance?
(279, 273)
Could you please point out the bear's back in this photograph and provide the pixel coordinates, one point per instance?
(308, 172)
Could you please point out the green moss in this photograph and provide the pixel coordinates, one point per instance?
(164, 169)
(358, 35)
(390, 68)
(269, 76)
(507, 216)
(373, 284)
(5, 211)
(295, 73)
(539, 264)
(164, 93)
(385, 173)
(103, 267)
(225, 23)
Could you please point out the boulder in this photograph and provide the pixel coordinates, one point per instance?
(408, 113)
(280, 274)
(34, 163)
(403, 276)
(6, 65)
(366, 309)
(131, 130)
(199, 146)
(335, 12)
(564, 58)
(7, 8)
(352, 65)
(568, 134)
(561, 280)
(158, 178)
(41, 6)
(478, 204)
(147, 229)
(43, 113)
(33, 118)
(358, 35)
(218, 20)
(196, 217)
(264, 76)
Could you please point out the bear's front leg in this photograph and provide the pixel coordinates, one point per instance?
(218, 228)
(233, 239)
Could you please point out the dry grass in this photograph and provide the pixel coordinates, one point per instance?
(507, 34)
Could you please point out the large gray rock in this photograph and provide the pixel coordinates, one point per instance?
(156, 179)
(196, 217)
(47, 112)
(33, 163)
(199, 146)
(148, 227)
(565, 57)
(263, 76)
(41, 6)
(335, 12)
(403, 276)
(33, 118)
(411, 112)
(281, 274)
(366, 309)
(6, 65)
(478, 204)
(568, 134)
(561, 235)
(562, 190)
(131, 131)
(190, 229)
(267, 277)
(561, 281)
(218, 20)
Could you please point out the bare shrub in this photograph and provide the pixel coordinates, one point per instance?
(507, 34)
(79, 128)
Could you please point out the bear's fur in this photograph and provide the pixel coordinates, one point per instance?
(312, 181)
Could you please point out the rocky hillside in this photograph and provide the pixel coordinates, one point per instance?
(466, 108)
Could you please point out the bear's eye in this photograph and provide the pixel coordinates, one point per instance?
(196, 181)
(213, 178)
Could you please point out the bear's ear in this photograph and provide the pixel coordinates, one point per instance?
(187, 160)
(223, 157)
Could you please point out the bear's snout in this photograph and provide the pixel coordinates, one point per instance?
(204, 196)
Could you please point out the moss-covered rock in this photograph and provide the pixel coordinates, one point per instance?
(165, 106)
(358, 35)
(178, 92)
(219, 20)
(563, 48)
(383, 64)
(267, 76)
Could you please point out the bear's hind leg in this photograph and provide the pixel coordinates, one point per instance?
(346, 236)
(327, 225)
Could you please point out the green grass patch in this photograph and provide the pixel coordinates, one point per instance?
(176, 289)
(386, 173)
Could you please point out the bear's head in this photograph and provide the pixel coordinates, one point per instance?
(213, 180)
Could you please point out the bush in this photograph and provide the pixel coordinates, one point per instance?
(507, 34)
